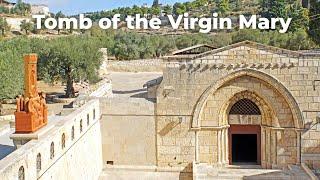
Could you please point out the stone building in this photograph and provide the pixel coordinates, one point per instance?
(212, 107)
(243, 103)
(7, 4)
(40, 9)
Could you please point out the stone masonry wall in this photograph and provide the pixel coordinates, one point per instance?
(185, 80)
(143, 65)
(128, 131)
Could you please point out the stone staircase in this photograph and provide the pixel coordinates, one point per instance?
(248, 172)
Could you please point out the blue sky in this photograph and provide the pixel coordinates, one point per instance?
(79, 6)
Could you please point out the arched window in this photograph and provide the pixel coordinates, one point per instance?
(245, 107)
(72, 133)
(38, 162)
(81, 126)
(63, 141)
(21, 175)
(94, 113)
(52, 150)
(88, 119)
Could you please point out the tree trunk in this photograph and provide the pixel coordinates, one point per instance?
(1, 108)
(70, 90)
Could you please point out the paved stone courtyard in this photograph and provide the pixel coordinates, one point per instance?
(248, 172)
(130, 84)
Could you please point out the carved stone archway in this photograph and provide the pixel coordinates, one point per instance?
(272, 132)
(265, 121)
(273, 82)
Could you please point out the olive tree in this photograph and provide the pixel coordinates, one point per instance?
(71, 59)
(4, 26)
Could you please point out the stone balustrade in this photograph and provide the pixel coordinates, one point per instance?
(70, 149)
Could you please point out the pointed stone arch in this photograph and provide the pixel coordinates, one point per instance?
(271, 81)
(268, 115)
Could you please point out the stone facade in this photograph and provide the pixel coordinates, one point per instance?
(197, 92)
(128, 132)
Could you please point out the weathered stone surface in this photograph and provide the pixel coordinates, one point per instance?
(203, 88)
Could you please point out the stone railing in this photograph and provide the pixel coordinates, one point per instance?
(144, 65)
(71, 148)
(7, 118)
(102, 89)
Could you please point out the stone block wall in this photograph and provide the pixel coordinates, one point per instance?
(292, 88)
(175, 142)
(143, 65)
(128, 131)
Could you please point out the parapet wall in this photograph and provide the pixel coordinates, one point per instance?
(143, 65)
(70, 150)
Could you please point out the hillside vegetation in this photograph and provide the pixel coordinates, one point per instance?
(73, 58)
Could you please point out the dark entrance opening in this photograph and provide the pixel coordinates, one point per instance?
(245, 144)
(244, 148)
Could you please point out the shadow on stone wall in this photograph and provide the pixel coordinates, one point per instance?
(186, 173)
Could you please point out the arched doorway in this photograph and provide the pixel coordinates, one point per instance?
(279, 120)
(244, 140)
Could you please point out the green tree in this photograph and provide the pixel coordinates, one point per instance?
(299, 15)
(155, 10)
(127, 46)
(179, 8)
(167, 9)
(71, 59)
(273, 9)
(4, 26)
(11, 66)
(314, 30)
(22, 8)
(299, 41)
(136, 10)
(223, 7)
(57, 16)
(4, 10)
(26, 26)
(146, 48)
(162, 45)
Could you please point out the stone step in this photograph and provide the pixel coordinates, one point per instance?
(249, 172)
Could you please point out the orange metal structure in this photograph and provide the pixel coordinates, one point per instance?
(32, 111)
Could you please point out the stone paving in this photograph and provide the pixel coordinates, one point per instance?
(249, 172)
(130, 85)
(138, 175)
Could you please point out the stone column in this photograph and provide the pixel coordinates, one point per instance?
(226, 152)
(224, 146)
(263, 147)
(298, 146)
(274, 148)
(227, 145)
(223, 153)
(268, 147)
(219, 147)
(197, 146)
